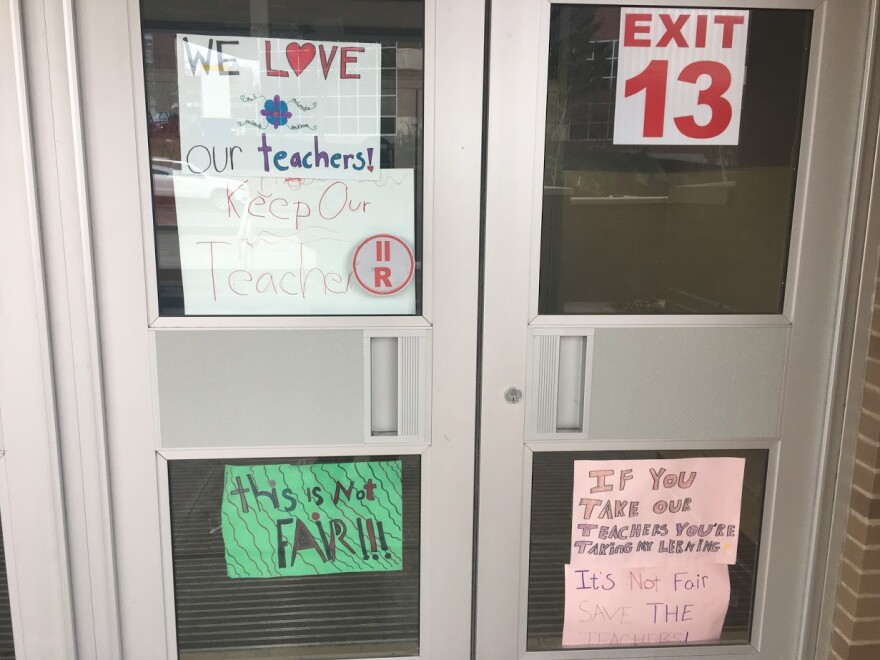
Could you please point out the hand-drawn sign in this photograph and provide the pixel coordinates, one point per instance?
(383, 264)
(312, 519)
(284, 246)
(656, 512)
(645, 606)
(650, 544)
(252, 106)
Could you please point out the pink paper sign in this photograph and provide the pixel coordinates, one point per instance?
(645, 606)
(656, 512)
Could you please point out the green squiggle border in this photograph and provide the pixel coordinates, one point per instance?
(250, 537)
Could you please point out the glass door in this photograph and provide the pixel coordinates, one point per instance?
(660, 303)
(286, 227)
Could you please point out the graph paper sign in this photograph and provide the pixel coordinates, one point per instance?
(253, 106)
(314, 519)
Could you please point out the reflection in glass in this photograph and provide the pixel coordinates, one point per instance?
(636, 229)
(550, 540)
(399, 31)
(371, 614)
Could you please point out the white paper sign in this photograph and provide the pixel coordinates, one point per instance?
(288, 246)
(652, 512)
(253, 106)
(612, 606)
(680, 76)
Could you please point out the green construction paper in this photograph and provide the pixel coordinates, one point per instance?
(312, 519)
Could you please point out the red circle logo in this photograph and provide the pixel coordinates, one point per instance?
(383, 264)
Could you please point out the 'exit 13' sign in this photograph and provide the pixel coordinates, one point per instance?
(680, 76)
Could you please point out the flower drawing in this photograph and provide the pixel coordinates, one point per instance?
(275, 111)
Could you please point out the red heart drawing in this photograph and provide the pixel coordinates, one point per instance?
(299, 57)
(370, 168)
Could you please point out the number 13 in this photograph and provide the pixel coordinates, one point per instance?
(655, 79)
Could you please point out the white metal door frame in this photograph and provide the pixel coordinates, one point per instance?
(115, 138)
(50, 388)
(858, 291)
(49, 391)
(829, 153)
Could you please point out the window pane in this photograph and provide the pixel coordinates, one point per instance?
(668, 229)
(229, 242)
(359, 602)
(551, 537)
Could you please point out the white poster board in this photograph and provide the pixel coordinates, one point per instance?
(254, 106)
(611, 606)
(284, 246)
(680, 76)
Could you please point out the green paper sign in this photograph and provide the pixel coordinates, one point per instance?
(312, 519)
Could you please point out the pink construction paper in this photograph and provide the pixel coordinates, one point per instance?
(631, 606)
(655, 512)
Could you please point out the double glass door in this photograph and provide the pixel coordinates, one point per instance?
(391, 371)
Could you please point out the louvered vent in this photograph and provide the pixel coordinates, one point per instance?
(397, 386)
(411, 386)
(546, 372)
(558, 396)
